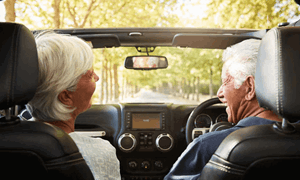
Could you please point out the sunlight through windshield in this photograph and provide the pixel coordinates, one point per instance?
(193, 76)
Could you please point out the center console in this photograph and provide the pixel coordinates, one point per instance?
(146, 132)
(144, 141)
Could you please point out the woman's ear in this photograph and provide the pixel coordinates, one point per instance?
(65, 97)
(250, 88)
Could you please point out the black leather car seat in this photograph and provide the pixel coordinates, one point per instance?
(30, 150)
(267, 151)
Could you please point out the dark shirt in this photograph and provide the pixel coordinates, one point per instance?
(191, 162)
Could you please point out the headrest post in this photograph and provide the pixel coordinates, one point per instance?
(16, 110)
(284, 124)
(7, 114)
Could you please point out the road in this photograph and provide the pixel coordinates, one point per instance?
(148, 96)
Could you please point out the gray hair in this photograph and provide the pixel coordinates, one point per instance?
(63, 59)
(240, 61)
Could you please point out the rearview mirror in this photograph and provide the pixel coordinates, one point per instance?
(146, 62)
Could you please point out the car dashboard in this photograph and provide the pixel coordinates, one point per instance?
(148, 137)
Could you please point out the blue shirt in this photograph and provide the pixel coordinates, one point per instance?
(191, 162)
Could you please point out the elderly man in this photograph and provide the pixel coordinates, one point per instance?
(238, 91)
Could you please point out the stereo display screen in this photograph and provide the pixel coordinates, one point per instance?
(145, 121)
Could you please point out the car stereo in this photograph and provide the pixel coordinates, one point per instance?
(145, 131)
(145, 120)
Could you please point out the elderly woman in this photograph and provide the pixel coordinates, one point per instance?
(67, 82)
(238, 91)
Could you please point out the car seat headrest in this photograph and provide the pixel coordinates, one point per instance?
(277, 78)
(18, 65)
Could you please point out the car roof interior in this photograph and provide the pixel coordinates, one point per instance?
(169, 37)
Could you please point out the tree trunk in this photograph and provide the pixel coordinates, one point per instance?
(174, 88)
(211, 93)
(116, 84)
(194, 88)
(56, 17)
(123, 88)
(198, 89)
(182, 88)
(110, 82)
(10, 15)
(189, 86)
(105, 81)
(185, 89)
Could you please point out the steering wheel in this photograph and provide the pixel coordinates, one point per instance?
(198, 110)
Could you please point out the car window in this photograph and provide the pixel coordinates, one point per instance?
(189, 78)
(193, 75)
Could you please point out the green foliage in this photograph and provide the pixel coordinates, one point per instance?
(96, 13)
(204, 88)
(255, 14)
(185, 65)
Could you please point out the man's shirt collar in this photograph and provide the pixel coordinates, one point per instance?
(251, 121)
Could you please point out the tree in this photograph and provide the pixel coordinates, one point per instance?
(10, 15)
(200, 74)
(96, 13)
(254, 14)
(56, 16)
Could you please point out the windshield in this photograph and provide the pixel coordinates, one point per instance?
(193, 75)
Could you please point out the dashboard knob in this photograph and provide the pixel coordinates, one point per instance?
(132, 165)
(158, 165)
(146, 165)
(127, 142)
(164, 142)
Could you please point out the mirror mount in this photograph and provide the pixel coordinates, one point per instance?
(145, 49)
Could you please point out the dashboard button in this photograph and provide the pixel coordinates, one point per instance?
(158, 165)
(127, 142)
(164, 142)
(132, 165)
(145, 165)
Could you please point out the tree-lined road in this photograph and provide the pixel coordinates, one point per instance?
(148, 96)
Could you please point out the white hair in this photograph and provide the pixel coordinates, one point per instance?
(240, 61)
(63, 59)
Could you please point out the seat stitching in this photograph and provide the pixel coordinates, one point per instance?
(15, 60)
(65, 162)
(280, 73)
(9, 68)
(276, 69)
(226, 168)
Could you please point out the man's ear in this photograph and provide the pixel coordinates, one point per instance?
(65, 97)
(250, 88)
